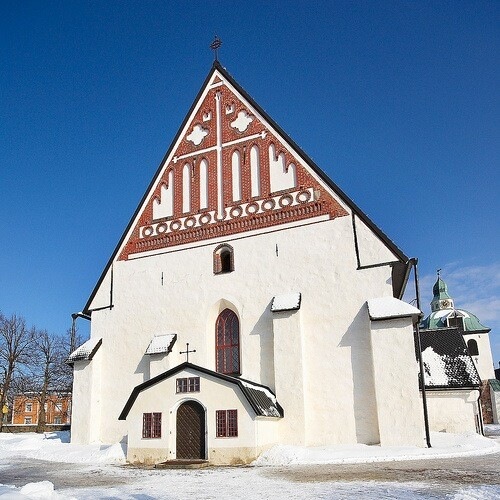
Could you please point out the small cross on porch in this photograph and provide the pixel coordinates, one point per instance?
(187, 351)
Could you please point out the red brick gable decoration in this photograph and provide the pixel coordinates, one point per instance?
(228, 172)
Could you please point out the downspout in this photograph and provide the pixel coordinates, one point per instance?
(480, 413)
(74, 317)
(414, 261)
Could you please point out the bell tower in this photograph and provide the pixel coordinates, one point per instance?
(441, 300)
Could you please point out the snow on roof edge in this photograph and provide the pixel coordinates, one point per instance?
(161, 343)
(389, 307)
(286, 302)
(86, 351)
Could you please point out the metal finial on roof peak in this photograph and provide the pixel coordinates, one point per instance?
(215, 45)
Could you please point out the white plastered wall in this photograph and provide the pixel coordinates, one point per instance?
(178, 292)
(483, 362)
(495, 405)
(86, 401)
(399, 410)
(290, 382)
(452, 411)
(160, 363)
(370, 253)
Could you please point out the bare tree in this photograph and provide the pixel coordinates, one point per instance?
(48, 373)
(16, 344)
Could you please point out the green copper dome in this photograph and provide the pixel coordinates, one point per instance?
(451, 317)
(444, 314)
(440, 290)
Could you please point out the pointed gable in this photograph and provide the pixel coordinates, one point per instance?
(232, 169)
(228, 171)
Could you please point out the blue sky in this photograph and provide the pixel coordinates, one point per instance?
(397, 101)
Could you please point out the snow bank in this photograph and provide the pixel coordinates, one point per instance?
(43, 490)
(55, 447)
(444, 445)
(492, 430)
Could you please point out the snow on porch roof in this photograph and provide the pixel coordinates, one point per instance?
(260, 397)
(86, 351)
(286, 302)
(389, 308)
(161, 343)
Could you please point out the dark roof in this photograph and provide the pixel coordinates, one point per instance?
(402, 258)
(494, 384)
(261, 398)
(447, 363)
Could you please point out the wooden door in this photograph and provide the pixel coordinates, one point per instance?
(190, 443)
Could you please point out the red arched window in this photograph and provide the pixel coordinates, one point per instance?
(227, 343)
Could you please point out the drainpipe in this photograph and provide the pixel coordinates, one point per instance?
(480, 413)
(414, 261)
(74, 316)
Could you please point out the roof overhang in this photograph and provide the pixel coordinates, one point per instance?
(257, 395)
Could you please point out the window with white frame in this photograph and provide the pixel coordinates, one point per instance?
(28, 407)
(28, 420)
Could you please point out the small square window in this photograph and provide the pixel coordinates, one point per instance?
(57, 420)
(28, 420)
(456, 321)
(191, 384)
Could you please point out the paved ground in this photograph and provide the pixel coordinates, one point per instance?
(472, 477)
(481, 470)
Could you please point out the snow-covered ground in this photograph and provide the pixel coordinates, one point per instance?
(256, 482)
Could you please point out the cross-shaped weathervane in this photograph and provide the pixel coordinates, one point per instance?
(187, 351)
(215, 45)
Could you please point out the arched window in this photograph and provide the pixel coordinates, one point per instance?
(236, 171)
(255, 171)
(227, 343)
(223, 259)
(186, 188)
(203, 184)
(472, 347)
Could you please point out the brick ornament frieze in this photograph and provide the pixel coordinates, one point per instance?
(229, 173)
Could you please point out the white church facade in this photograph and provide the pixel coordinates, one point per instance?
(248, 303)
